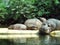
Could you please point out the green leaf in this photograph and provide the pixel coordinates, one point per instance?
(57, 2)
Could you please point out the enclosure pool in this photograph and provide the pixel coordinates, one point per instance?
(40, 40)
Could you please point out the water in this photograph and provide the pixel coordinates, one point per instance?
(41, 40)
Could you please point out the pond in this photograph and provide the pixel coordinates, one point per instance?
(41, 40)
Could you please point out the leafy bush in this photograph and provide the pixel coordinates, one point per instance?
(3, 11)
(20, 10)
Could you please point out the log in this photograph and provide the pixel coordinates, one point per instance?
(17, 36)
(19, 31)
(5, 33)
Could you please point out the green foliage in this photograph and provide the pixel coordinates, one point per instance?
(2, 11)
(22, 7)
(17, 9)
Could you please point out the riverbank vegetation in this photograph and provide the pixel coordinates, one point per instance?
(17, 11)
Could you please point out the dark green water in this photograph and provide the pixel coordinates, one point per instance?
(42, 40)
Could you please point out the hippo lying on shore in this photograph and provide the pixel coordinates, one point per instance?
(33, 24)
(17, 27)
(50, 25)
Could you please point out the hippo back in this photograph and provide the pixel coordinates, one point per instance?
(34, 23)
(56, 22)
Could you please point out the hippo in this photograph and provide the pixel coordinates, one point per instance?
(17, 27)
(34, 23)
(42, 19)
(49, 26)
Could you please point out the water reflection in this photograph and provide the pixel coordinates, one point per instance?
(48, 40)
(6, 42)
(41, 40)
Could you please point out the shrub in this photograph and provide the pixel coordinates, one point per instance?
(20, 10)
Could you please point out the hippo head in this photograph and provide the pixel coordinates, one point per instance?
(11, 27)
(47, 27)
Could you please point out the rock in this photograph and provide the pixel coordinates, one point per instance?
(55, 33)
